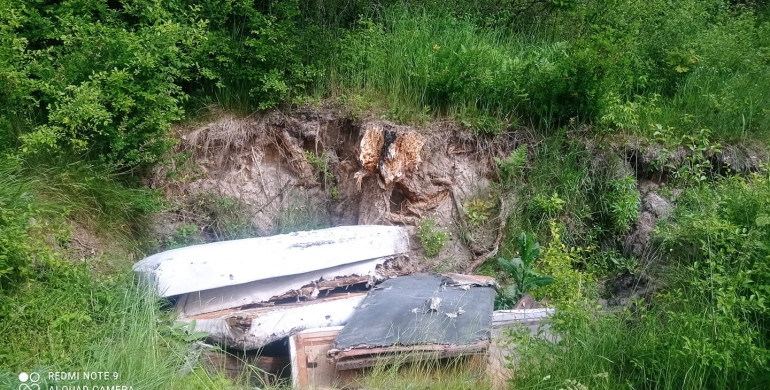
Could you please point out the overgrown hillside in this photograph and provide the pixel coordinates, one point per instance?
(629, 139)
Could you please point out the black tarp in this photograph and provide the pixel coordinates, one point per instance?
(398, 312)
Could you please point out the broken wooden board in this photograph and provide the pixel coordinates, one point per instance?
(251, 329)
(231, 263)
(312, 369)
(421, 312)
(245, 368)
(307, 286)
(363, 358)
(309, 365)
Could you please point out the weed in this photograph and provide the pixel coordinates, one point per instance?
(548, 206)
(478, 210)
(696, 167)
(510, 169)
(220, 217)
(521, 270)
(185, 234)
(432, 238)
(621, 203)
(611, 261)
(324, 173)
(301, 213)
(564, 264)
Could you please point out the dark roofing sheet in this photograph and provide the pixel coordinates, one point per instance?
(398, 312)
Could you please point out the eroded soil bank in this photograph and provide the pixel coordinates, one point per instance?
(320, 167)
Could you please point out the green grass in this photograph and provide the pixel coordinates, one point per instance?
(70, 320)
(429, 374)
(428, 59)
(708, 328)
(412, 61)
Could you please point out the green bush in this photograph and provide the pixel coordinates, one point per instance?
(621, 203)
(103, 82)
(254, 54)
(106, 80)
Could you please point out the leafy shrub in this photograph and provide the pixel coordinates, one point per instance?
(563, 264)
(521, 270)
(432, 238)
(106, 82)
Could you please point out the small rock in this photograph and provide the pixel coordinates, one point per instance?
(527, 302)
(657, 205)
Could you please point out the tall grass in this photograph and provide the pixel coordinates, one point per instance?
(430, 59)
(461, 373)
(726, 88)
(701, 65)
(76, 322)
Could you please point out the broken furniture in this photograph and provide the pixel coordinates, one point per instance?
(418, 317)
(248, 293)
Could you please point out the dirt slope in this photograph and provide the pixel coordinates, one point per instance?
(342, 172)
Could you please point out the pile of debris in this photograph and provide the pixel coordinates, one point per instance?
(336, 295)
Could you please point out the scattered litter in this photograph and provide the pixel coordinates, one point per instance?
(434, 302)
(247, 294)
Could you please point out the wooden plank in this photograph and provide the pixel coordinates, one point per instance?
(520, 316)
(230, 263)
(310, 368)
(368, 357)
